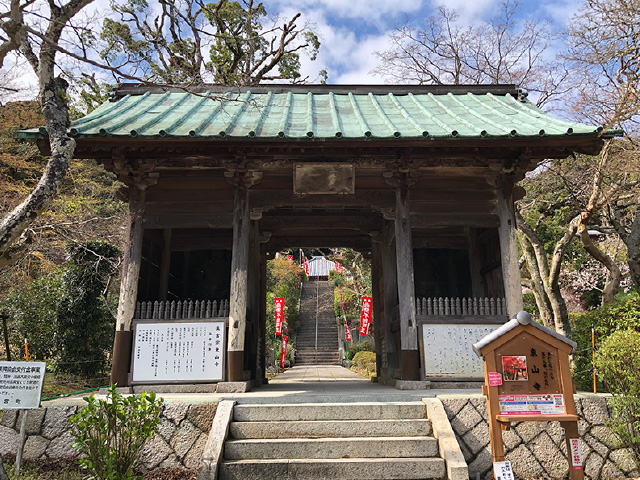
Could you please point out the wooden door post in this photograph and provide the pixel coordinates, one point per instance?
(242, 180)
(165, 265)
(378, 319)
(390, 295)
(128, 288)
(409, 356)
(509, 253)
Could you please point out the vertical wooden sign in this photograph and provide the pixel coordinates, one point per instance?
(527, 378)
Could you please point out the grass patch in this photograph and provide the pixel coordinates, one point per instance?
(57, 384)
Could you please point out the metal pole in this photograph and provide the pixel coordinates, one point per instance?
(317, 306)
(6, 337)
(593, 356)
(21, 441)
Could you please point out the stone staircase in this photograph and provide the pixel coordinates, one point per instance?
(315, 441)
(327, 351)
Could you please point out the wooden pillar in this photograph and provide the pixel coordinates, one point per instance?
(242, 180)
(165, 265)
(475, 264)
(263, 313)
(378, 316)
(409, 356)
(390, 295)
(128, 288)
(509, 254)
(253, 299)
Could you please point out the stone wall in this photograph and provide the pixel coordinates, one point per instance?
(537, 449)
(179, 441)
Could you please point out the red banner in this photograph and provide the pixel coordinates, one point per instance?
(290, 257)
(279, 307)
(283, 350)
(347, 332)
(306, 266)
(365, 315)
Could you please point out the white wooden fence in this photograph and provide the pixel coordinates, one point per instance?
(461, 306)
(181, 309)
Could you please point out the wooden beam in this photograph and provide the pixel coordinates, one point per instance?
(239, 275)
(128, 288)
(509, 255)
(409, 357)
(165, 264)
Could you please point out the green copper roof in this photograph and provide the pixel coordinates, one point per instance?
(322, 115)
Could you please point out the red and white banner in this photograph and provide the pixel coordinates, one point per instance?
(283, 350)
(365, 315)
(306, 266)
(338, 267)
(290, 257)
(347, 332)
(279, 307)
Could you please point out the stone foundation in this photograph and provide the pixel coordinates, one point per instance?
(179, 441)
(537, 449)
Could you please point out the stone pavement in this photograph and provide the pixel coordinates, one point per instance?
(304, 384)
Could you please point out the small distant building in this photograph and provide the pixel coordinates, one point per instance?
(319, 268)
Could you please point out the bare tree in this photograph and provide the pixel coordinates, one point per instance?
(604, 50)
(504, 50)
(163, 49)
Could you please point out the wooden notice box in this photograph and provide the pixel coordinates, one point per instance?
(527, 378)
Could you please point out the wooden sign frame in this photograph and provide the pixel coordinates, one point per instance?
(514, 340)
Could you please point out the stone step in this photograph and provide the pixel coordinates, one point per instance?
(347, 447)
(331, 428)
(317, 361)
(329, 411)
(334, 469)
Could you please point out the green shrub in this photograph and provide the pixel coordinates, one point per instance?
(32, 313)
(618, 367)
(362, 359)
(110, 433)
(620, 315)
(356, 347)
(85, 325)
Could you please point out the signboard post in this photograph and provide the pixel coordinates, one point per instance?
(21, 388)
(527, 378)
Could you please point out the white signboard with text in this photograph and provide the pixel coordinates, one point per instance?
(448, 350)
(178, 351)
(21, 384)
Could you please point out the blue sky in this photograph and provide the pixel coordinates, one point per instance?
(352, 30)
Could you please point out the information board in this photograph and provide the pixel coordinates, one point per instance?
(21, 384)
(178, 352)
(448, 353)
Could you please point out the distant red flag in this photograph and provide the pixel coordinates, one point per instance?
(365, 315)
(290, 258)
(344, 315)
(279, 309)
(306, 266)
(283, 350)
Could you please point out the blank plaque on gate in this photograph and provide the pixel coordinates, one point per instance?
(323, 178)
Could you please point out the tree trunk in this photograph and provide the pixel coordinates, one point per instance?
(55, 112)
(550, 272)
(3, 474)
(633, 250)
(537, 284)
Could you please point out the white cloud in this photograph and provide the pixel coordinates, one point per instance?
(375, 12)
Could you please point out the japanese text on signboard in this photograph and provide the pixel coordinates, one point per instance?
(178, 351)
(365, 315)
(279, 313)
(21, 384)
